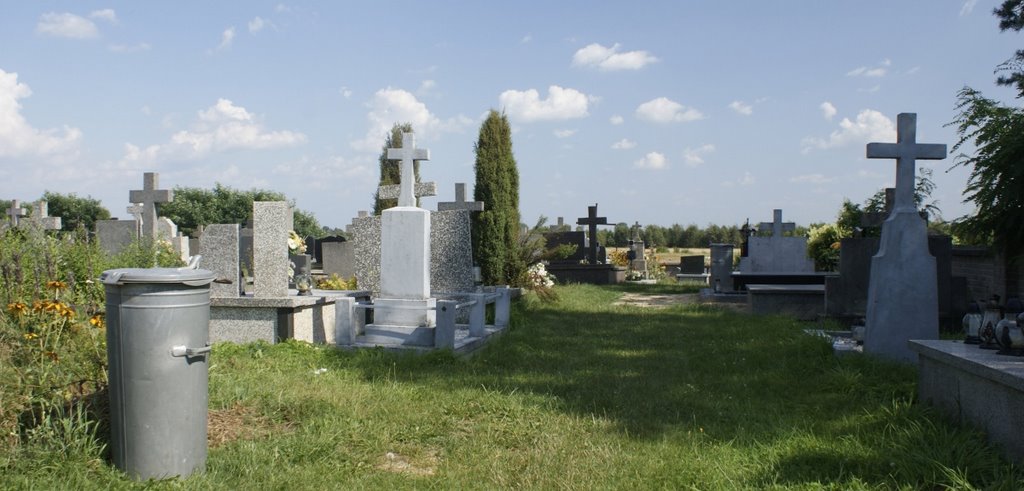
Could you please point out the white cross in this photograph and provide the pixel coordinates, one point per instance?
(149, 196)
(906, 151)
(776, 225)
(15, 212)
(407, 154)
(460, 202)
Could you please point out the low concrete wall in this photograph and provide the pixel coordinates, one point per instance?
(975, 387)
(805, 302)
(306, 318)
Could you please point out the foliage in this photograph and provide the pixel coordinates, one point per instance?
(496, 237)
(75, 211)
(618, 257)
(540, 282)
(823, 246)
(193, 207)
(673, 236)
(1011, 17)
(335, 282)
(997, 175)
(391, 170)
(296, 244)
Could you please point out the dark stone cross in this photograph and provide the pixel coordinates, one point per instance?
(149, 196)
(16, 212)
(460, 202)
(592, 221)
(906, 151)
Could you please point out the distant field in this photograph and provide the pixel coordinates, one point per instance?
(672, 256)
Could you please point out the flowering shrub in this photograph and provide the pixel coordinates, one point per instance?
(618, 257)
(539, 281)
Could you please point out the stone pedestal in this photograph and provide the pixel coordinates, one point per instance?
(405, 269)
(903, 299)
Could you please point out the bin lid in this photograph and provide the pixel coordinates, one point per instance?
(187, 276)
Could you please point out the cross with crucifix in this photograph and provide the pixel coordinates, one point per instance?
(149, 196)
(16, 212)
(460, 202)
(592, 221)
(906, 151)
(408, 154)
(776, 226)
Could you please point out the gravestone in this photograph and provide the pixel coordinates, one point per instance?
(150, 196)
(136, 212)
(114, 235)
(776, 253)
(365, 233)
(271, 222)
(405, 299)
(15, 212)
(41, 218)
(637, 261)
(339, 258)
(194, 240)
(451, 244)
(902, 294)
(592, 221)
(318, 247)
(559, 226)
(165, 228)
(691, 264)
(219, 247)
(245, 248)
(460, 202)
(577, 239)
(721, 267)
(311, 248)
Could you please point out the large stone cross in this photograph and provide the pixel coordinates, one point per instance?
(460, 202)
(776, 226)
(407, 154)
(592, 221)
(15, 212)
(906, 151)
(149, 196)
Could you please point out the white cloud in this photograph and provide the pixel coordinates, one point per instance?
(812, 179)
(870, 125)
(694, 157)
(282, 8)
(561, 104)
(664, 110)
(564, 133)
(871, 90)
(107, 15)
(827, 110)
(257, 24)
(623, 144)
(66, 25)
(19, 139)
(864, 71)
(653, 161)
(609, 59)
(124, 48)
(968, 7)
(345, 92)
(226, 38)
(390, 106)
(221, 127)
(746, 180)
(527, 38)
(741, 108)
(616, 120)
(426, 87)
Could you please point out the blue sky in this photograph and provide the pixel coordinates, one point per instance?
(661, 112)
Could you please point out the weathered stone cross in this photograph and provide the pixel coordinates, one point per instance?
(906, 151)
(776, 226)
(149, 196)
(460, 202)
(15, 212)
(41, 215)
(592, 221)
(408, 154)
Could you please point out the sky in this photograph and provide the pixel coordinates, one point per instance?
(661, 112)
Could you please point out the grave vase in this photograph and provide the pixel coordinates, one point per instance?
(301, 267)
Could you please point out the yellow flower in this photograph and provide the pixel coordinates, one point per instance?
(295, 243)
(96, 321)
(30, 336)
(17, 309)
(56, 285)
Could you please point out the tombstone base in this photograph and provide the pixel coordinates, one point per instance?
(404, 312)
(903, 299)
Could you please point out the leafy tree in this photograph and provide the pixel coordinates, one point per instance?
(391, 170)
(1011, 17)
(496, 229)
(823, 246)
(75, 211)
(997, 176)
(193, 207)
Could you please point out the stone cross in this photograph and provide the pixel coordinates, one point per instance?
(15, 212)
(776, 226)
(906, 151)
(407, 154)
(136, 212)
(149, 196)
(393, 191)
(460, 202)
(636, 230)
(41, 215)
(592, 221)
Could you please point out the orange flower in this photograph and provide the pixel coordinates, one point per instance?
(30, 336)
(56, 285)
(96, 321)
(17, 309)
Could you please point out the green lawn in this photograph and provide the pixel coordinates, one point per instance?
(578, 394)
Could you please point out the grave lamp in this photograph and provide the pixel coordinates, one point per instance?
(1008, 332)
(993, 314)
(972, 324)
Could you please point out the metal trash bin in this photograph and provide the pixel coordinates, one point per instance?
(158, 332)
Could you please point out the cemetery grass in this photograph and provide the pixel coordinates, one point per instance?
(578, 394)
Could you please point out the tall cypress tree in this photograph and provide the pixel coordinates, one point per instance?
(496, 229)
(391, 170)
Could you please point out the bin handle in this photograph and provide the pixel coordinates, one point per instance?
(181, 350)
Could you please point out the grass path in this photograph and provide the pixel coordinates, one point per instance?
(579, 394)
